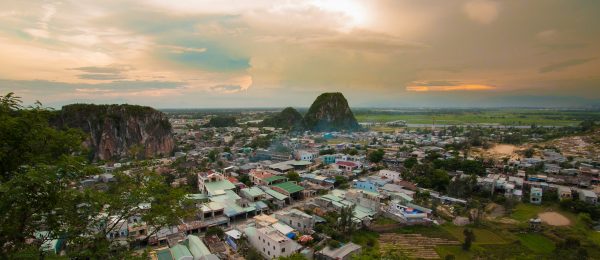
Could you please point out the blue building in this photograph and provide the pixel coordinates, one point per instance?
(364, 184)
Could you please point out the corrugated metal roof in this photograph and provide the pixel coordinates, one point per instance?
(196, 246)
(276, 195)
(180, 251)
(290, 187)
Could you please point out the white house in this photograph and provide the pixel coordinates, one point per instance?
(588, 196)
(270, 242)
(392, 175)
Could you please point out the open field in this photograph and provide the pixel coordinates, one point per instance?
(413, 245)
(537, 243)
(554, 219)
(482, 236)
(523, 212)
(549, 117)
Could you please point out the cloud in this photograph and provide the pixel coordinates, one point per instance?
(226, 88)
(234, 86)
(481, 11)
(564, 65)
(101, 70)
(101, 76)
(114, 72)
(443, 85)
(41, 31)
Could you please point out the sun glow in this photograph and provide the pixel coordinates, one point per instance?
(356, 11)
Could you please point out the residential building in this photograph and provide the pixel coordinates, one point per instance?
(588, 196)
(213, 184)
(270, 242)
(296, 219)
(535, 195)
(392, 175)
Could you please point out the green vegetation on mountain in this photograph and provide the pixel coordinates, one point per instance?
(288, 118)
(330, 112)
(222, 121)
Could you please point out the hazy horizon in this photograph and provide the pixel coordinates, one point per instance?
(224, 54)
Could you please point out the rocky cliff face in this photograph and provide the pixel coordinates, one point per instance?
(117, 131)
(289, 118)
(330, 112)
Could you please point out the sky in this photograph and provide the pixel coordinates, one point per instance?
(217, 53)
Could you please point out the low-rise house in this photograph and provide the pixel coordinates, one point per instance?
(296, 219)
(213, 184)
(253, 194)
(347, 166)
(275, 197)
(392, 175)
(564, 193)
(588, 196)
(290, 189)
(364, 184)
(407, 213)
(270, 242)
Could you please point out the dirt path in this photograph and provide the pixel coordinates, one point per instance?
(554, 219)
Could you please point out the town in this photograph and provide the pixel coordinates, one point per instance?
(300, 130)
(266, 192)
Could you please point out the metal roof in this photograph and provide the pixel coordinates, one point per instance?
(274, 178)
(275, 194)
(290, 187)
(180, 252)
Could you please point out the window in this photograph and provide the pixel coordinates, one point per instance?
(283, 250)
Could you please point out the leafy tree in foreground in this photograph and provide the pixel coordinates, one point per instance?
(40, 169)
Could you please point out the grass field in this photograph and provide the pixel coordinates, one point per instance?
(488, 116)
(524, 211)
(537, 243)
(456, 251)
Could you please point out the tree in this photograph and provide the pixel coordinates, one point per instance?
(469, 238)
(346, 222)
(293, 176)
(376, 156)
(410, 162)
(440, 180)
(218, 231)
(245, 179)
